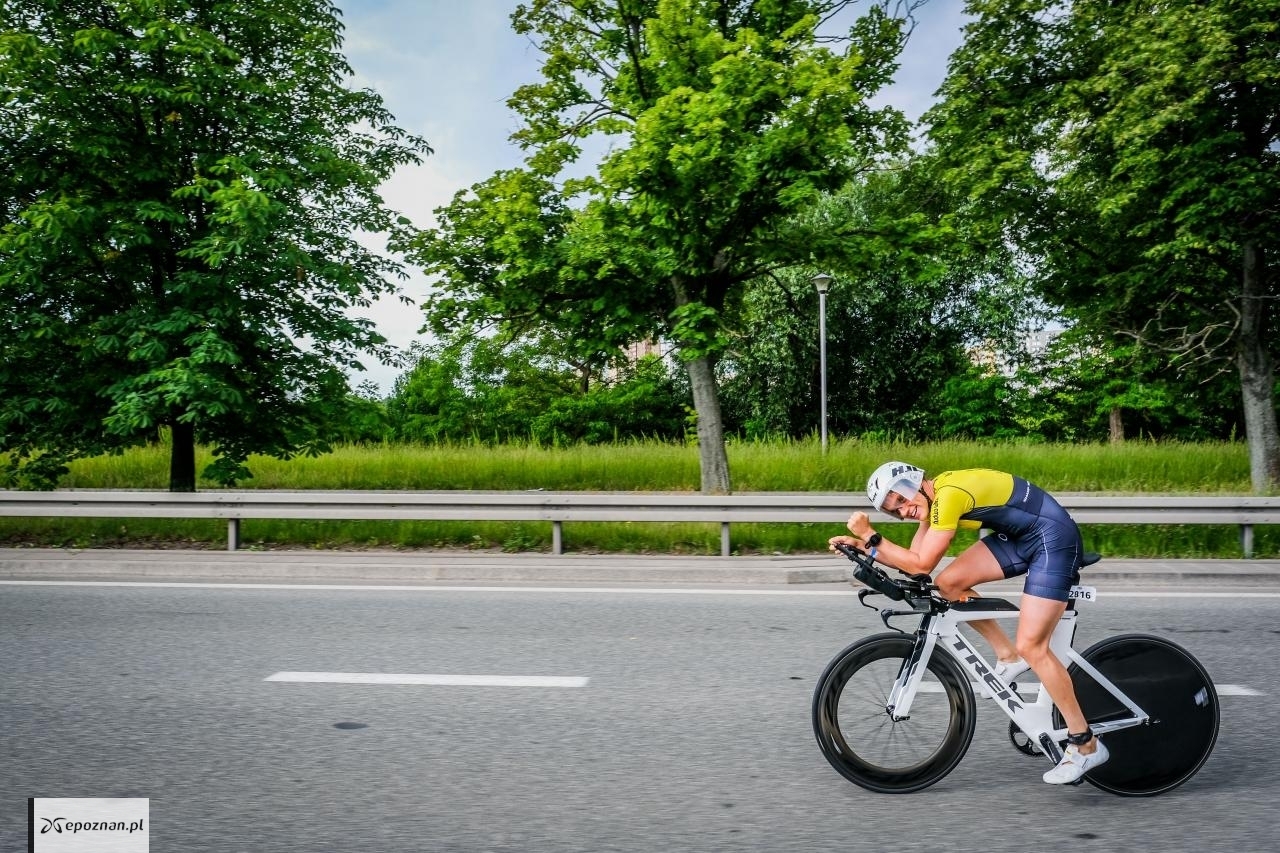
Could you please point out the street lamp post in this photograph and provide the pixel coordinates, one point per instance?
(822, 282)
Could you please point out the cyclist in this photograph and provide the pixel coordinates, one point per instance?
(1031, 534)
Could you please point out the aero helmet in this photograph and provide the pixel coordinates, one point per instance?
(894, 477)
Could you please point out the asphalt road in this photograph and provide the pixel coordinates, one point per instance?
(690, 732)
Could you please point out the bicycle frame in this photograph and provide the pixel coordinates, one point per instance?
(1034, 718)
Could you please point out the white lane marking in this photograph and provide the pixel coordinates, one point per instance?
(594, 590)
(1237, 690)
(1103, 592)
(430, 680)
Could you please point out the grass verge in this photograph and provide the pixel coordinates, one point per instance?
(1152, 467)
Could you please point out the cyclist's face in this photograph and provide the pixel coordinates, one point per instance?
(896, 504)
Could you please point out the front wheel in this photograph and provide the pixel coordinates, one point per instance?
(1171, 686)
(864, 744)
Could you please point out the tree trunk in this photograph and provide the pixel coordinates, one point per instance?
(706, 402)
(1117, 425)
(182, 458)
(713, 459)
(1257, 375)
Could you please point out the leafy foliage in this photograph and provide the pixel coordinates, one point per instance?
(1080, 383)
(724, 120)
(491, 391)
(185, 181)
(903, 314)
(1133, 152)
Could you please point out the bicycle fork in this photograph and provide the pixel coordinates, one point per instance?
(903, 693)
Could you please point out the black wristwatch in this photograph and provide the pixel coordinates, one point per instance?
(873, 540)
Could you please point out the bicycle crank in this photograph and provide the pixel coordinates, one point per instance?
(1021, 742)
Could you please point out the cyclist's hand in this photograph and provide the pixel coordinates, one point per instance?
(844, 540)
(859, 525)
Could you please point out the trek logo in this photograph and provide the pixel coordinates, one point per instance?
(1001, 692)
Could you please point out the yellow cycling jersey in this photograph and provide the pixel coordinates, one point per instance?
(958, 494)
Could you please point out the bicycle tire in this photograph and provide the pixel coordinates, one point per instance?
(1171, 686)
(866, 746)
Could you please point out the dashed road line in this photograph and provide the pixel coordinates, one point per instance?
(1237, 690)
(429, 679)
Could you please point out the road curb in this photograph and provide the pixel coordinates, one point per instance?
(422, 566)
(494, 567)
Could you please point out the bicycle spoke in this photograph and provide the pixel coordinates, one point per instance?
(861, 739)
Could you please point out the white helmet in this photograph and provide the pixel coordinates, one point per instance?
(894, 477)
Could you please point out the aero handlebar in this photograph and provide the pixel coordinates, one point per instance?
(872, 575)
(913, 588)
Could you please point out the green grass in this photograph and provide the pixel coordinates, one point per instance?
(1153, 467)
(1163, 467)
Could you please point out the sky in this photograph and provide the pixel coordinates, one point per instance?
(445, 68)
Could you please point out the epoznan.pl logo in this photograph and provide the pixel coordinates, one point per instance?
(61, 824)
(89, 825)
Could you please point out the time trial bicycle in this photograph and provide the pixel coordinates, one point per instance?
(894, 715)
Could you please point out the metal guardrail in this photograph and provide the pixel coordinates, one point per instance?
(559, 507)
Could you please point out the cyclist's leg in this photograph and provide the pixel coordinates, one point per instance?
(978, 564)
(1036, 623)
(1055, 566)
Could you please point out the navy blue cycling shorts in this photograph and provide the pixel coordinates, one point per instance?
(1049, 554)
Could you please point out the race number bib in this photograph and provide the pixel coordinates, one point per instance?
(1083, 593)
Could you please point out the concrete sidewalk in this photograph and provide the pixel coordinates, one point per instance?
(496, 567)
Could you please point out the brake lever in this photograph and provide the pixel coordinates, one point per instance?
(887, 614)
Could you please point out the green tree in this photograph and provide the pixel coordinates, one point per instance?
(901, 317)
(429, 402)
(1133, 151)
(361, 418)
(490, 389)
(979, 402)
(183, 183)
(724, 118)
(487, 389)
(1088, 386)
(641, 401)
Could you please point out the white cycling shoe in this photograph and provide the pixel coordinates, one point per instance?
(1007, 671)
(1075, 764)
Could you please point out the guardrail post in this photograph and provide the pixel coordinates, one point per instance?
(233, 534)
(557, 538)
(724, 539)
(1246, 540)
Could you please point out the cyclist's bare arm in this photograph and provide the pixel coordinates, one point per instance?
(917, 541)
(927, 549)
(928, 546)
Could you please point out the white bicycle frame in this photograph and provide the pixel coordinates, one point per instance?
(1034, 718)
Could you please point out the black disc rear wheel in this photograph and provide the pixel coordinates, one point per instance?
(1174, 689)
